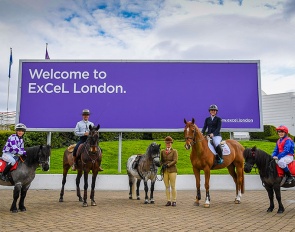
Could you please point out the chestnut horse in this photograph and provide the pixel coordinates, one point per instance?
(202, 158)
(89, 156)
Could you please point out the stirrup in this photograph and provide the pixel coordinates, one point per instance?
(220, 161)
(100, 169)
(4, 178)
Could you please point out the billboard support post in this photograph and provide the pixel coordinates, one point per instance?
(120, 152)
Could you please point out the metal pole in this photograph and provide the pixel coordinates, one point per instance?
(120, 152)
(49, 142)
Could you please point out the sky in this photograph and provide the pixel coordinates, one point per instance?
(261, 30)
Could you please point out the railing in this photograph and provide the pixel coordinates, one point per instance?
(7, 119)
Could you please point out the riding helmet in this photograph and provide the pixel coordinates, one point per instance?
(85, 112)
(282, 128)
(20, 127)
(213, 107)
(168, 139)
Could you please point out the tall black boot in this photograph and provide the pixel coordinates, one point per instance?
(290, 178)
(219, 152)
(5, 172)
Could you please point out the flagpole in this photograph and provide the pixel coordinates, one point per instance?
(9, 74)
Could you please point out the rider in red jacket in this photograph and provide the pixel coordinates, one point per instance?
(284, 151)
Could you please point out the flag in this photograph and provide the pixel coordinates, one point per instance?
(10, 63)
(46, 53)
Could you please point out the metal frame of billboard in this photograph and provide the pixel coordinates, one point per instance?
(142, 61)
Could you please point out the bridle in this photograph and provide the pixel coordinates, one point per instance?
(194, 140)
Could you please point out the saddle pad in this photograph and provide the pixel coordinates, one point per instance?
(291, 167)
(224, 146)
(3, 165)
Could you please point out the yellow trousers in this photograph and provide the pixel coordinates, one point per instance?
(170, 181)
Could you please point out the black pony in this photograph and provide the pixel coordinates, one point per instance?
(22, 177)
(268, 175)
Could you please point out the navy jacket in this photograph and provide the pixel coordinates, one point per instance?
(213, 126)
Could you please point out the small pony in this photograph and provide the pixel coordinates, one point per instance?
(24, 174)
(268, 171)
(145, 169)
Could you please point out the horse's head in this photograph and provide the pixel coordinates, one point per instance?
(190, 133)
(44, 154)
(93, 138)
(153, 152)
(249, 156)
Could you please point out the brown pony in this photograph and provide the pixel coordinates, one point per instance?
(203, 159)
(89, 156)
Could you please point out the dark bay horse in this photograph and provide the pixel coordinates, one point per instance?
(146, 169)
(24, 174)
(202, 158)
(268, 175)
(89, 157)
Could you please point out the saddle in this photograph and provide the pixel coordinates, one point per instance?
(4, 163)
(136, 161)
(71, 148)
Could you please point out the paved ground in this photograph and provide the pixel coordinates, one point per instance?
(115, 212)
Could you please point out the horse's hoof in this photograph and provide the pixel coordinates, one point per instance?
(85, 204)
(281, 211)
(130, 198)
(206, 205)
(14, 211)
(93, 203)
(61, 200)
(237, 201)
(196, 204)
(80, 199)
(146, 202)
(23, 209)
(138, 198)
(152, 202)
(269, 210)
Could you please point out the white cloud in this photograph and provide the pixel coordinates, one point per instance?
(182, 30)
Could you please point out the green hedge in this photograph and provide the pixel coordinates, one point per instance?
(269, 134)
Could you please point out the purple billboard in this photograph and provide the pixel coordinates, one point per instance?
(126, 96)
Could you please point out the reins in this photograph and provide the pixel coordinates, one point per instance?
(194, 140)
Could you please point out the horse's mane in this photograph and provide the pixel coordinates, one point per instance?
(153, 148)
(265, 164)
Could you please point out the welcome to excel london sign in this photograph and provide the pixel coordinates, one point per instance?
(138, 95)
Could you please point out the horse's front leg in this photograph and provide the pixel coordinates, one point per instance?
(146, 189)
(277, 190)
(207, 186)
(270, 193)
(78, 178)
(85, 188)
(23, 195)
(16, 192)
(94, 175)
(198, 195)
(152, 201)
(64, 180)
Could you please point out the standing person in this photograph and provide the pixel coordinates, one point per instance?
(82, 130)
(284, 151)
(169, 158)
(213, 123)
(13, 147)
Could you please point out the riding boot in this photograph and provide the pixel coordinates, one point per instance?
(290, 178)
(5, 172)
(219, 152)
(99, 163)
(74, 166)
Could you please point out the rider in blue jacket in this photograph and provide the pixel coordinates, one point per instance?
(284, 151)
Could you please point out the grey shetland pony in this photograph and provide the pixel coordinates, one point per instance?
(146, 169)
(22, 177)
